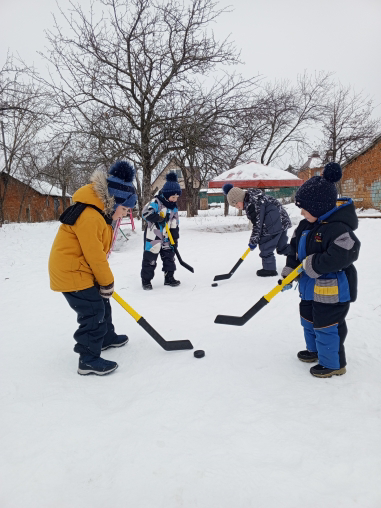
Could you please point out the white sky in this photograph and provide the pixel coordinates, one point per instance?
(278, 38)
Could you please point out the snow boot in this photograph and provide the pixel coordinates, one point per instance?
(99, 367)
(147, 284)
(169, 280)
(120, 340)
(308, 356)
(320, 371)
(266, 273)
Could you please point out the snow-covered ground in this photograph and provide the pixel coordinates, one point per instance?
(245, 427)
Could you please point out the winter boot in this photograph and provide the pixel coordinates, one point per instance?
(146, 284)
(170, 280)
(266, 273)
(320, 371)
(308, 356)
(119, 340)
(99, 367)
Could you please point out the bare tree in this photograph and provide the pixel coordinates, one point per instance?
(133, 63)
(347, 124)
(284, 113)
(24, 115)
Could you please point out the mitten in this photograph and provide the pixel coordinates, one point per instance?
(106, 291)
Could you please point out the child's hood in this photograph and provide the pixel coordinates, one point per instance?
(344, 211)
(96, 193)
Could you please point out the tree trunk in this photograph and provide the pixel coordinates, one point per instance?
(226, 206)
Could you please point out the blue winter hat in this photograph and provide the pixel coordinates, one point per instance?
(171, 186)
(318, 195)
(119, 183)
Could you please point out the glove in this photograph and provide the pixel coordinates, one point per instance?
(106, 291)
(252, 247)
(286, 287)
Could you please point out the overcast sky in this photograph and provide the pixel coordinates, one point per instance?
(278, 38)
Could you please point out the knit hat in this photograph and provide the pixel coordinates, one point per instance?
(318, 195)
(171, 186)
(119, 183)
(234, 195)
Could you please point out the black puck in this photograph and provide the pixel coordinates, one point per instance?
(199, 353)
(214, 285)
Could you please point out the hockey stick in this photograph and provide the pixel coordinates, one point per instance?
(241, 320)
(173, 345)
(182, 263)
(238, 263)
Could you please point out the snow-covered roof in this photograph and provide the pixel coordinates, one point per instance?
(47, 189)
(314, 161)
(212, 191)
(254, 174)
(44, 188)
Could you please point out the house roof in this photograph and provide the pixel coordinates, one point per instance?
(314, 161)
(253, 174)
(374, 142)
(44, 188)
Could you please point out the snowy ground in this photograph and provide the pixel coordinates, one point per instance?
(245, 427)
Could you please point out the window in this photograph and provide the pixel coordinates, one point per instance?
(317, 173)
(179, 173)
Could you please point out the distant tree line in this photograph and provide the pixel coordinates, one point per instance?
(147, 81)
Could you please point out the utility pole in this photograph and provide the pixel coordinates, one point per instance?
(4, 147)
(6, 161)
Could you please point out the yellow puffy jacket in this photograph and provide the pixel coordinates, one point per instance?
(79, 252)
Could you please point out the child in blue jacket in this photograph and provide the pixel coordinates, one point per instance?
(326, 244)
(161, 210)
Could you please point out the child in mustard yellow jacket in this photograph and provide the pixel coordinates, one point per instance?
(78, 265)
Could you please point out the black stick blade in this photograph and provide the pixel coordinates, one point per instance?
(240, 321)
(173, 345)
(223, 277)
(228, 275)
(183, 263)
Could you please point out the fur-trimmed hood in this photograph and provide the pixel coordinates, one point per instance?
(96, 193)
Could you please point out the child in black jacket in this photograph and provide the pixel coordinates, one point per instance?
(326, 244)
(270, 223)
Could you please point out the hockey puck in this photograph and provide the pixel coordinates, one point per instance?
(199, 353)
(214, 285)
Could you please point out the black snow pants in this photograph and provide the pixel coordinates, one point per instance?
(268, 244)
(149, 262)
(95, 322)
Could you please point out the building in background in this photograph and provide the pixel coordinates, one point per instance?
(30, 201)
(312, 167)
(160, 180)
(362, 176)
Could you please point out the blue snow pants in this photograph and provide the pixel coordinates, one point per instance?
(325, 331)
(95, 322)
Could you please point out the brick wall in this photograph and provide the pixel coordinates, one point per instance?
(362, 178)
(34, 208)
(306, 174)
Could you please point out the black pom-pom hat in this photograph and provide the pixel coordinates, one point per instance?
(318, 195)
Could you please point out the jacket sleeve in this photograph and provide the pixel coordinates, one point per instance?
(150, 212)
(256, 214)
(342, 251)
(89, 233)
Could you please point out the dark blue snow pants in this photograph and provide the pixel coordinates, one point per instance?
(150, 261)
(325, 330)
(268, 244)
(95, 322)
